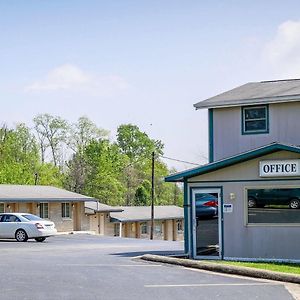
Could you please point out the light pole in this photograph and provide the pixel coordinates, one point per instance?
(152, 198)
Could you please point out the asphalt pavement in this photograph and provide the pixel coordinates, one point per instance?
(94, 267)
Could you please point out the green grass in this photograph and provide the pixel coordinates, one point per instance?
(278, 267)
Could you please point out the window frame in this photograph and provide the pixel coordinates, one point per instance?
(246, 209)
(2, 203)
(66, 204)
(144, 225)
(179, 226)
(160, 226)
(41, 210)
(243, 119)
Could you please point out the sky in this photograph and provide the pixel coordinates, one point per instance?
(141, 62)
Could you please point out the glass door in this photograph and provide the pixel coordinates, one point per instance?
(207, 237)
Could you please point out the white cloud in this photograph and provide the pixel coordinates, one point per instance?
(282, 53)
(71, 78)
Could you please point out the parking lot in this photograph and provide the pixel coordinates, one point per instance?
(94, 267)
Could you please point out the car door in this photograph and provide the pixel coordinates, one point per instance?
(9, 225)
(2, 226)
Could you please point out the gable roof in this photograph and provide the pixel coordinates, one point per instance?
(93, 207)
(271, 148)
(254, 93)
(38, 193)
(143, 213)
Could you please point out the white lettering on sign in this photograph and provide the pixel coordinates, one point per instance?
(227, 208)
(273, 168)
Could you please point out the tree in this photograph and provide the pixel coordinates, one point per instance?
(136, 144)
(81, 134)
(104, 169)
(20, 160)
(51, 132)
(143, 193)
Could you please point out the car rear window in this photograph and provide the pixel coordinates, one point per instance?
(31, 217)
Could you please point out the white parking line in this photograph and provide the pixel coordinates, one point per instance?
(106, 265)
(206, 285)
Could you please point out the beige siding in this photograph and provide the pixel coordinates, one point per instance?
(248, 170)
(241, 240)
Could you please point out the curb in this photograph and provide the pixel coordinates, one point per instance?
(243, 271)
(75, 232)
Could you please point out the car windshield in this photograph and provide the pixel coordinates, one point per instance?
(31, 217)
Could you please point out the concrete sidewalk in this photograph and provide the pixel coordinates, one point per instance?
(221, 268)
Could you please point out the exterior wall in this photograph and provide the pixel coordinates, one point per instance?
(276, 241)
(100, 224)
(55, 216)
(227, 129)
(61, 224)
(168, 230)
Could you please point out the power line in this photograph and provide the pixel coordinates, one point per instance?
(178, 160)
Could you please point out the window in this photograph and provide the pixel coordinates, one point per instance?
(274, 206)
(117, 229)
(44, 211)
(1, 207)
(65, 210)
(10, 218)
(157, 229)
(179, 226)
(144, 228)
(255, 119)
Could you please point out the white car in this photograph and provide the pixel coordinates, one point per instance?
(24, 226)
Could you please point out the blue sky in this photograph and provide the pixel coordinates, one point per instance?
(141, 62)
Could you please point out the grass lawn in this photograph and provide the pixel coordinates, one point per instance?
(278, 267)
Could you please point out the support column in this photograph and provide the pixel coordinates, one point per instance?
(120, 229)
(137, 230)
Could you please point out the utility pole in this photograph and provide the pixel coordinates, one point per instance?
(152, 199)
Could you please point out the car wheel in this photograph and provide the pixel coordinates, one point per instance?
(294, 203)
(40, 239)
(21, 235)
(251, 203)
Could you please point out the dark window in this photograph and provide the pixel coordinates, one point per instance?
(144, 228)
(44, 210)
(255, 119)
(65, 210)
(275, 206)
(179, 226)
(10, 218)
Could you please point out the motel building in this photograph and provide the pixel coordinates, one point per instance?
(252, 180)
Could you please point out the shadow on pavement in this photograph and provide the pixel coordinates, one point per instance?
(139, 253)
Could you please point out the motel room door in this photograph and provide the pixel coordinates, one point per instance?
(206, 223)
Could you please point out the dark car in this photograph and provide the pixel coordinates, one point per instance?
(263, 197)
(206, 205)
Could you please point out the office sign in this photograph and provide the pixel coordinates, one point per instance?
(275, 168)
